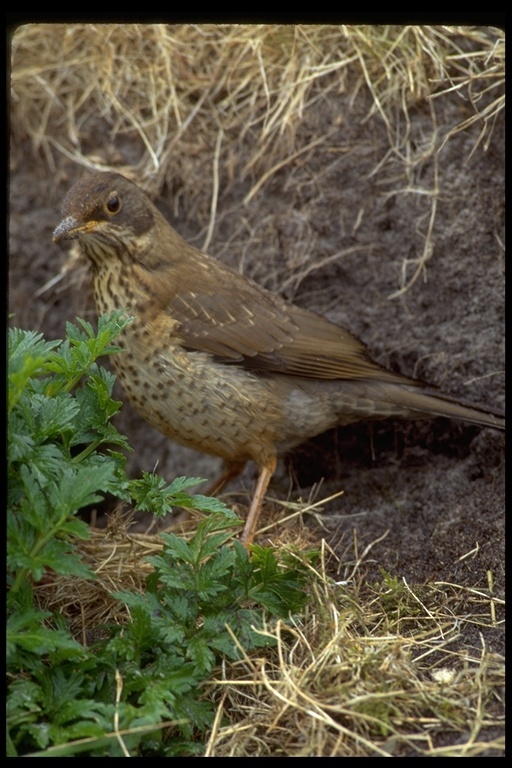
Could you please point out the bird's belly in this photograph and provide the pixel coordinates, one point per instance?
(305, 413)
(214, 408)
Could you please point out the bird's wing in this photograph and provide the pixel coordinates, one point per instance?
(243, 324)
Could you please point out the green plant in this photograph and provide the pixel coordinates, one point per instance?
(139, 690)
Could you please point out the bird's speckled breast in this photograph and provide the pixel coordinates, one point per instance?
(182, 393)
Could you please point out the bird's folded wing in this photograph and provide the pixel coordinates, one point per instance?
(258, 330)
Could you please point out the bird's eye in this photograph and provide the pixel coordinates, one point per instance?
(114, 203)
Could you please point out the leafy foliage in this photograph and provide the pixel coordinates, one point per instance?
(207, 598)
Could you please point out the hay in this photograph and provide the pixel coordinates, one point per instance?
(191, 85)
(367, 671)
(359, 678)
(190, 93)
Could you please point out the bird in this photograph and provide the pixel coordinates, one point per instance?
(218, 363)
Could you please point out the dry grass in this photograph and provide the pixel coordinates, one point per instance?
(369, 671)
(166, 82)
(353, 685)
(192, 92)
(364, 674)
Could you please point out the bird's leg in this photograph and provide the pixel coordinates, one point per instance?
(266, 473)
(231, 470)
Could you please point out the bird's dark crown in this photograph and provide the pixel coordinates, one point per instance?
(109, 197)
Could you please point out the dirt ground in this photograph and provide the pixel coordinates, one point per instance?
(435, 487)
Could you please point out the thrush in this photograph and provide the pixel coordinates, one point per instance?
(216, 362)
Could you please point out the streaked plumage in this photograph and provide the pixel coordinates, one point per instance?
(218, 363)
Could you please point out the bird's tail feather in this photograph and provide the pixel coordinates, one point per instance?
(380, 399)
(429, 402)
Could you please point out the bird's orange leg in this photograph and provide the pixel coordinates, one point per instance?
(266, 473)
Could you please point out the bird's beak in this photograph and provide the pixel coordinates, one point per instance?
(70, 229)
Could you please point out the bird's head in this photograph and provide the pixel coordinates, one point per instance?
(102, 209)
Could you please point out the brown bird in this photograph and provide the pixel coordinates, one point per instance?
(214, 361)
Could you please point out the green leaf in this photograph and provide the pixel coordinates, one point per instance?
(25, 631)
(28, 353)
